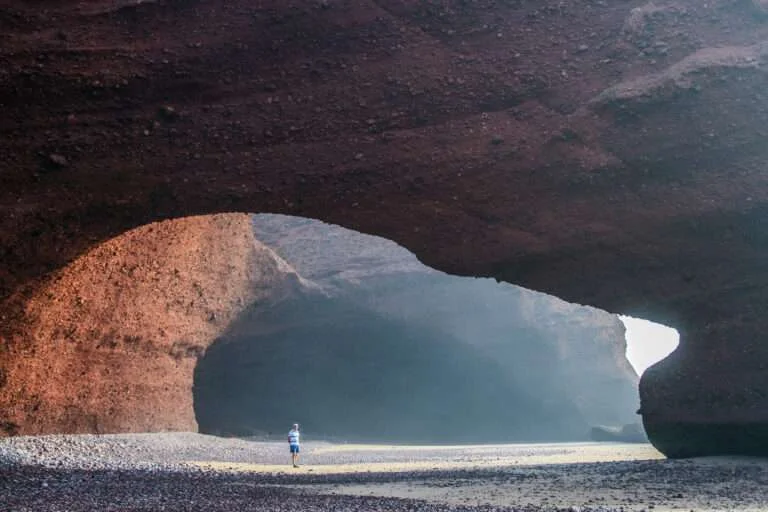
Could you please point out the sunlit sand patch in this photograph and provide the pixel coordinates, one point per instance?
(329, 469)
(422, 458)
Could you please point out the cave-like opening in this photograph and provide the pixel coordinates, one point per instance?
(371, 345)
(352, 374)
(241, 324)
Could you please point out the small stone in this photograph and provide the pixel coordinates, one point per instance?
(168, 112)
(359, 156)
(57, 160)
(583, 48)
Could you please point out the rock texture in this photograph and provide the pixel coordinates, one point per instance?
(109, 343)
(383, 348)
(610, 153)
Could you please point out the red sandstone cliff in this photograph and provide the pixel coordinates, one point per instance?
(109, 343)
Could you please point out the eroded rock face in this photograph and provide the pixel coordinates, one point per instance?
(710, 401)
(609, 153)
(383, 348)
(109, 343)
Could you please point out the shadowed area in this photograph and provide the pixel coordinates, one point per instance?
(351, 374)
(377, 347)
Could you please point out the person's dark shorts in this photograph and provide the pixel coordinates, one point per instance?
(294, 448)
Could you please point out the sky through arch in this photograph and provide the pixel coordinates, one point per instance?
(648, 342)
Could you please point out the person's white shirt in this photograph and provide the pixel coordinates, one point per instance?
(293, 437)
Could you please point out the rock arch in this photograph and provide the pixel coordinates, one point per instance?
(112, 342)
(612, 155)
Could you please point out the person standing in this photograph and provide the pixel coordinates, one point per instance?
(293, 442)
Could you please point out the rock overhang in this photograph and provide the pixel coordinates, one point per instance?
(463, 131)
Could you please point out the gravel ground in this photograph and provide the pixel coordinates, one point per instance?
(190, 472)
(132, 451)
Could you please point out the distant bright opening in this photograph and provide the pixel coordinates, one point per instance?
(648, 342)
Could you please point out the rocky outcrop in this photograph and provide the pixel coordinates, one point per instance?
(677, 418)
(386, 349)
(109, 343)
(501, 139)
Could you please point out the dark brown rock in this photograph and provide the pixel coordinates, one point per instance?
(655, 209)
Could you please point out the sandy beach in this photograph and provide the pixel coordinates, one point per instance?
(195, 472)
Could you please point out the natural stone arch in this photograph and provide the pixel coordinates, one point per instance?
(537, 143)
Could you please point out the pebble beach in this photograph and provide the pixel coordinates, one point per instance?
(193, 472)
